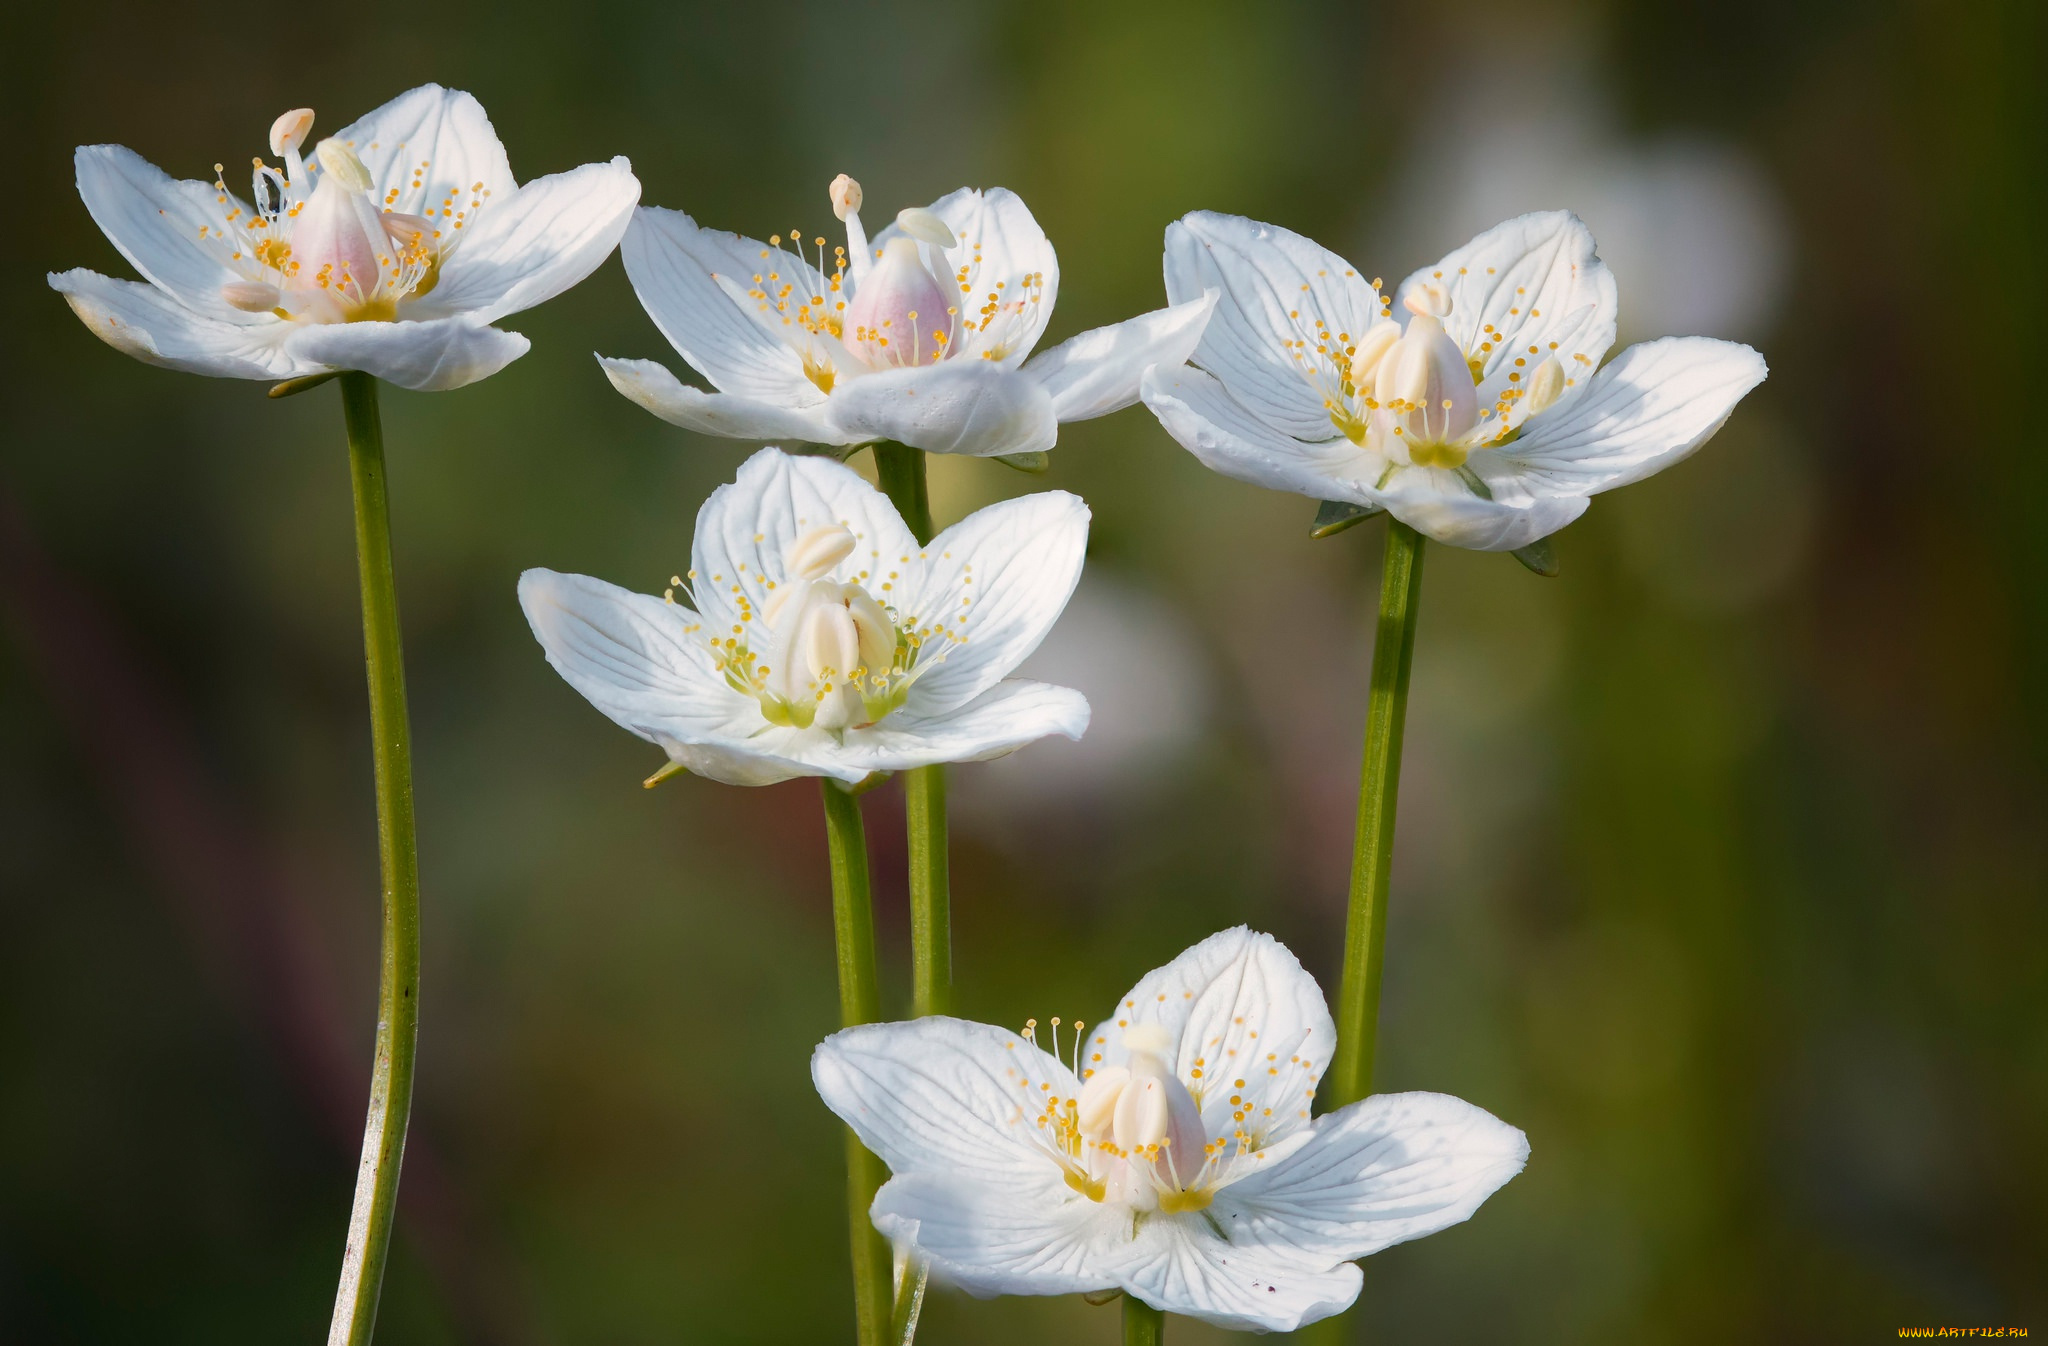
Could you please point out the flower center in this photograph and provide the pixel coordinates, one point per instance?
(1134, 1134)
(901, 314)
(837, 658)
(319, 246)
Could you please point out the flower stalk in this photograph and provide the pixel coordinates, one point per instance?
(1143, 1324)
(391, 1079)
(901, 471)
(860, 1002)
(1372, 856)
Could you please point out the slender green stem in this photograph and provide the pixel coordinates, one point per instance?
(860, 1002)
(1143, 1324)
(931, 907)
(909, 1301)
(901, 471)
(1372, 858)
(376, 1201)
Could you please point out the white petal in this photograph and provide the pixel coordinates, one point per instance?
(1003, 254)
(1026, 1238)
(529, 248)
(1001, 720)
(142, 321)
(1240, 1004)
(1654, 405)
(941, 1095)
(170, 231)
(672, 264)
(1206, 421)
(1099, 371)
(1277, 288)
(723, 414)
(1439, 505)
(963, 405)
(1533, 281)
(1178, 1264)
(631, 657)
(424, 356)
(1392, 1168)
(745, 528)
(1000, 578)
(435, 148)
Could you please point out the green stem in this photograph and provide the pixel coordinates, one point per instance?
(901, 470)
(860, 1002)
(1143, 1324)
(376, 1201)
(1372, 858)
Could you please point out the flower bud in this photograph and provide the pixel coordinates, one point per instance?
(1428, 300)
(829, 643)
(1545, 385)
(846, 196)
(408, 230)
(251, 296)
(926, 227)
(900, 314)
(1371, 348)
(289, 131)
(340, 162)
(1096, 1109)
(877, 634)
(1141, 1115)
(812, 556)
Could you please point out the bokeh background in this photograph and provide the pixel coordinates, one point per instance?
(1722, 858)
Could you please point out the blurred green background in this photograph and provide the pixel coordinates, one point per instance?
(1722, 858)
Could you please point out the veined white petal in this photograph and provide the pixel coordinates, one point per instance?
(1654, 405)
(1177, 1263)
(1029, 1238)
(1099, 371)
(1439, 505)
(1208, 422)
(140, 320)
(672, 264)
(432, 149)
(1535, 281)
(632, 656)
(745, 528)
(944, 1095)
(1238, 1007)
(992, 584)
(724, 414)
(170, 231)
(1391, 1168)
(1002, 258)
(962, 405)
(1006, 717)
(1278, 289)
(543, 239)
(424, 356)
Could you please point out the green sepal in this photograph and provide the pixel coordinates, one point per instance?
(667, 769)
(1334, 516)
(1100, 1297)
(1539, 556)
(1033, 463)
(867, 783)
(1473, 482)
(293, 387)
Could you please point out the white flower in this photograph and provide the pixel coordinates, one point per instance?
(1478, 419)
(390, 250)
(1170, 1154)
(919, 337)
(820, 639)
